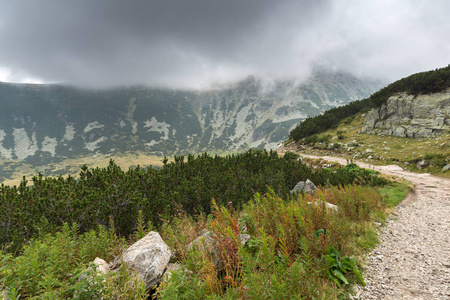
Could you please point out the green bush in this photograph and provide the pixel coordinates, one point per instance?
(325, 138)
(340, 135)
(311, 140)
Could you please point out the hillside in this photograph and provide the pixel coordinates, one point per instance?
(406, 123)
(430, 82)
(415, 116)
(347, 140)
(52, 231)
(43, 125)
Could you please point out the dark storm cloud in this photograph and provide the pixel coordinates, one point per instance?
(193, 43)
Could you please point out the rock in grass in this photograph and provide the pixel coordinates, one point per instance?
(244, 238)
(205, 242)
(170, 269)
(447, 167)
(174, 267)
(102, 266)
(148, 257)
(309, 187)
(304, 186)
(422, 164)
(330, 207)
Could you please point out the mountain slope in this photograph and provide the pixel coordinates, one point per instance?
(422, 83)
(412, 116)
(40, 123)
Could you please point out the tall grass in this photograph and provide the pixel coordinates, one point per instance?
(285, 256)
(56, 267)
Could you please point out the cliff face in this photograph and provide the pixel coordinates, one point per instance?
(411, 116)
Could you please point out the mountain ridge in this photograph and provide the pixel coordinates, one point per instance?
(39, 123)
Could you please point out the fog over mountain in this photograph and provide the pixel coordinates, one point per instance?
(43, 123)
(199, 43)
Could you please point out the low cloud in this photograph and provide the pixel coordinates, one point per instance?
(197, 43)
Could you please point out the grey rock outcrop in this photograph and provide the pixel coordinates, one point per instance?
(309, 187)
(174, 267)
(205, 242)
(148, 257)
(411, 116)
(304, 186)
(169, 270)
(447, 167)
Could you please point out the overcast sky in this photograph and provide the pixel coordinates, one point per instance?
(195, 43)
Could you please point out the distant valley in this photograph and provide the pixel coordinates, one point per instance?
(47, 124)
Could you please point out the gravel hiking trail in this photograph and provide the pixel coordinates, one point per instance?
(413, 259)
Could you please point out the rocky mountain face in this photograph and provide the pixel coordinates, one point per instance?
(43, 122)
(411, 116)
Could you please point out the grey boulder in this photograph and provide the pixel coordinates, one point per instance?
(304, 186)
(148, 257)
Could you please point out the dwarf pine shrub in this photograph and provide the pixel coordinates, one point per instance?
(159, 195)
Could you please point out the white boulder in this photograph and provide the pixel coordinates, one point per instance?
(102, 266)
(148, 257)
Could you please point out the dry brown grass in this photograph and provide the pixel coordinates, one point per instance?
(72, 165)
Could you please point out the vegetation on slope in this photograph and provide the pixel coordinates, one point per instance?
(102, 193)
(55, 266)
(296, 249)
(423, 155)
(421, 83)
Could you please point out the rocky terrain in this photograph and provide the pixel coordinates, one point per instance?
(413, 116)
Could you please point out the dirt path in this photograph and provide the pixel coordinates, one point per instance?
(413, 259)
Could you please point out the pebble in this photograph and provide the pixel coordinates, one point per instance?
(407, 264)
